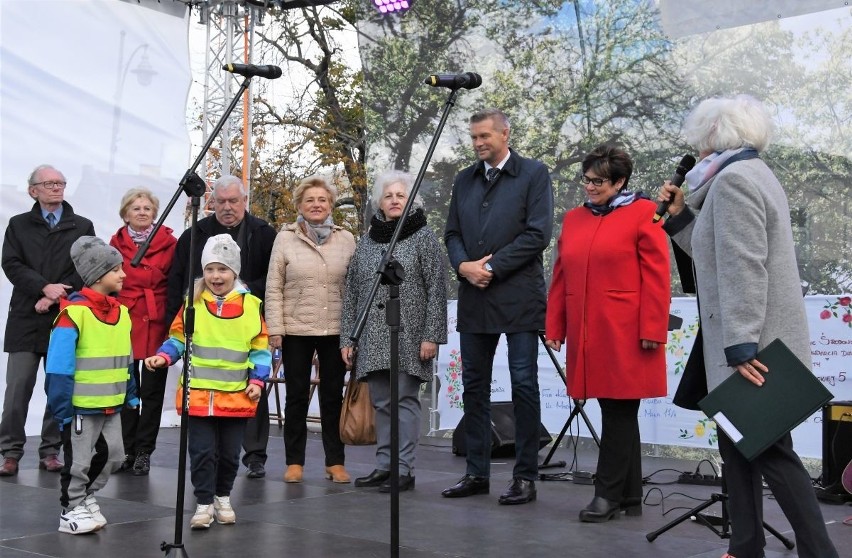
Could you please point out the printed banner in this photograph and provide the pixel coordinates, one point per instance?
(660, 421)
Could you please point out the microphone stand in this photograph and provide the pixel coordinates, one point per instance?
(391, 273)
(194, 187)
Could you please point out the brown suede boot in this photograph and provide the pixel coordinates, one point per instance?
(337, 473)
(293, 473)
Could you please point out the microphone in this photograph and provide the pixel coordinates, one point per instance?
(250, 70)
(467, 80)
(678, 177)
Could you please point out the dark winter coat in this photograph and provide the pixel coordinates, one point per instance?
(34, 255)
(513, 220)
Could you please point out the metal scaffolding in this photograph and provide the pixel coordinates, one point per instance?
(230, 37)
(229, 26)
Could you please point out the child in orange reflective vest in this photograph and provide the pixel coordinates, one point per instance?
(229, 363)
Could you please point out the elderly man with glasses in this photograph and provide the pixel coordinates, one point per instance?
(37, 261)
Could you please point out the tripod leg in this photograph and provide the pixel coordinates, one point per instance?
(784, 540)
(694, 511)
(588, 424)
(546, 463)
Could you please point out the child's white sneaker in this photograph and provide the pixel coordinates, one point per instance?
(92, 505)
(203, 517)
(224, 512)
(77, 521)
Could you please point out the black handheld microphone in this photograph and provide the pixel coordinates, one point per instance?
(467, 80)
(678, 177)
(250, 70)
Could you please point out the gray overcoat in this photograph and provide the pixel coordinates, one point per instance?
(749, 290)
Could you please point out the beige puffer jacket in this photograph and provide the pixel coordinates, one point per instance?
(304, 286)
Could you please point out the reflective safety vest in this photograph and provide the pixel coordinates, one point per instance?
(103, 359)
(220, 346)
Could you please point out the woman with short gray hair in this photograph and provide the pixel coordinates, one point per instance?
(737, 230)
(423, 302)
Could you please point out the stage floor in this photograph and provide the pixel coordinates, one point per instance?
(319, 519)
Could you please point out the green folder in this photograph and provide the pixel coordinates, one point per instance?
(755, 417)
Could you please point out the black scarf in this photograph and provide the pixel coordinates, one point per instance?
(381, 231)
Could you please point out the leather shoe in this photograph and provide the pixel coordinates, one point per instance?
(256, 470)
(468, 485)
(376, 478)
(600, 510)
(406, 482)
(127, 464)
(51, 463)
(9, 468)
(520, 491)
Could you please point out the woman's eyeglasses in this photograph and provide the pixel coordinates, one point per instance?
(596, 181)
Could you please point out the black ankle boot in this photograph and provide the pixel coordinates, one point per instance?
(632, 506)
(600, 510)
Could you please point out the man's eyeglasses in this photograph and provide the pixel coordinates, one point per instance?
(51, 185)
(596, 181)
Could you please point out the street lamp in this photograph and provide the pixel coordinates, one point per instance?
(144, 75)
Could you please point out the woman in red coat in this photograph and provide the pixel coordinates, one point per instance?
(609, 303)
(144, 294)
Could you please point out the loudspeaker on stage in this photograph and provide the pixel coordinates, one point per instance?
(836, 442)
(502, 432)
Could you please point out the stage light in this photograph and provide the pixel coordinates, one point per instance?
(391, 6)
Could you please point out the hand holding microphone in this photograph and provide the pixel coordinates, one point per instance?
(671, 191)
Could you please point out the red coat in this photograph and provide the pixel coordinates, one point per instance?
(144, 290)
(610, 289)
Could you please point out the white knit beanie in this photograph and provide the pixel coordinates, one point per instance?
(221, 249)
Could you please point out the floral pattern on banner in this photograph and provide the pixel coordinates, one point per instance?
(453, 380)
(703, 428)
(677, 346)
(841, 309)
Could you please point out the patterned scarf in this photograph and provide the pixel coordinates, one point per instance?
(141, 236)
(708, 167)
(621, 199)
(317, 233)
(381, 230)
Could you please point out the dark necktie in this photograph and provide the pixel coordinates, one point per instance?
(492, 174)
(51, 220)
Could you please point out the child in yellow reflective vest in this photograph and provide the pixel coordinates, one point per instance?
(89, 382)
(230, 361)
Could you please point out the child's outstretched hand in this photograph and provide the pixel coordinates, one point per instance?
(253, 392)
(154, 362)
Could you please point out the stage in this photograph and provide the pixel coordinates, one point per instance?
(319, 519)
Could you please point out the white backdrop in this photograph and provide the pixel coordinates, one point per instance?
(661, 422)
(64, 67)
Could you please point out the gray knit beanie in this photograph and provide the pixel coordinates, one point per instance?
(93, 257)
